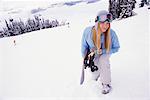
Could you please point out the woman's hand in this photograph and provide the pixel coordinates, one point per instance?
(99, 51)
(91, 54)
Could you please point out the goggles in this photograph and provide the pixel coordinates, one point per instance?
(104, 18)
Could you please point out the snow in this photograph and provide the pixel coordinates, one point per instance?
(46, 64)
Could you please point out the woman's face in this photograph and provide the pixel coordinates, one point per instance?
(104, 26)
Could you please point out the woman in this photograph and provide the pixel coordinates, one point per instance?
(102, 42)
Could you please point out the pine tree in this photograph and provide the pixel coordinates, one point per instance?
(144, 2)
(121, 8)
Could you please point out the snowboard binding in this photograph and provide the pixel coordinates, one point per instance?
(89, 62)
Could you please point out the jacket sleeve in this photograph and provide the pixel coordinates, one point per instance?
(114, 43)
(84, 44)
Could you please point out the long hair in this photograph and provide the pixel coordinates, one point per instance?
(106, 35)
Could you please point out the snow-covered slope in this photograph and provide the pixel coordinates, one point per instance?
(46, 64)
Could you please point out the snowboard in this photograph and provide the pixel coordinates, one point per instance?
(82, 75)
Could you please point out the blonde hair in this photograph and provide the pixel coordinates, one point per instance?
(106, 35)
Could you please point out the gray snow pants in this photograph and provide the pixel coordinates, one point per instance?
(103, 72)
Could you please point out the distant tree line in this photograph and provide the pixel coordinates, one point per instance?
(14, 27)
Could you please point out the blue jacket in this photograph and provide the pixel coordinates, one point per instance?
(87, 42)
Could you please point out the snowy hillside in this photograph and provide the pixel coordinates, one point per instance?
(46, 64)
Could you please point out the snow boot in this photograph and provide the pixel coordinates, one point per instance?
(106, 88)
